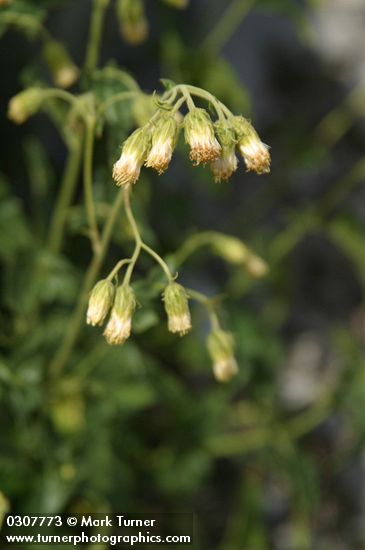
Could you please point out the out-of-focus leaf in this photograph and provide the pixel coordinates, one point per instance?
(14, 232)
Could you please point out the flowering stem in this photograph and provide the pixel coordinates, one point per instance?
(64, 350)
(88, 185)
(122, 96)
(117, 267)
(64, 198)
(159, 260)
(178, 104)
(65, 96)
(140, 245)
(198, 240)
(188, 99)
(220, 108)
(136, 234)
(96, 25)
(208, 304)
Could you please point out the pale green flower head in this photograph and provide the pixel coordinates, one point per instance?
(226, 164)
(127, 169)
(177, 308)
(220, 346)
(25, 104)
(100, 302)
(199, 134)
(164, 137)
(119, 326)
(254, 152)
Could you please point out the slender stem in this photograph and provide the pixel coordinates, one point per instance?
(64, 198)
(159, 260)
(136, 234)
(117, 267)
(188, 248)
(140, 245)
(122, 96)
(51, 93)
(189, 100)
(88, 185)
(208, 304)
(199, 92)
(96, 26)
(227, 25)
(66, 346)
(178, 104)
(119, 75)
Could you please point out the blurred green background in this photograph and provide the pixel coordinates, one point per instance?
(274, 459)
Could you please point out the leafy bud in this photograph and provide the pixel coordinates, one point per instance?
(100, 302)
(255, 153)
(134, 153)
(134, 25)
(164, 139)
(199, 134)
(177, 308)
(224, 166)
(64, 71)
(229, 248)
(119, 325)
(220, 348)
(25, 104)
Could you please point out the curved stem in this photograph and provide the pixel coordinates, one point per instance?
(178, 104)
(191, 245)
(220, 108)
(159, 260)
(189, 100)
(140, 245)
(96, 26)
(117, 267)
(50, 93)
(136, 234)
(65, 348)
(88, 185)
(208, 304)
(119, 75)
(122, 96)
(64, 197)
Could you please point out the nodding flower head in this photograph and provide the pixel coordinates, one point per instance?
(255, 153)
(25, 104)
(134, 153)
(176, 305)
(224, 166)
(100, 302)
(62, 68)
(199, 134)
(164, 137)
(133, 22)
(118, 328)
(220, 348)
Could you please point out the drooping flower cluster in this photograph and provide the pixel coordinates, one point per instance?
(121, 303)
(211, 143)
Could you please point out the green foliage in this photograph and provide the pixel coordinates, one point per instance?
(145, 427)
